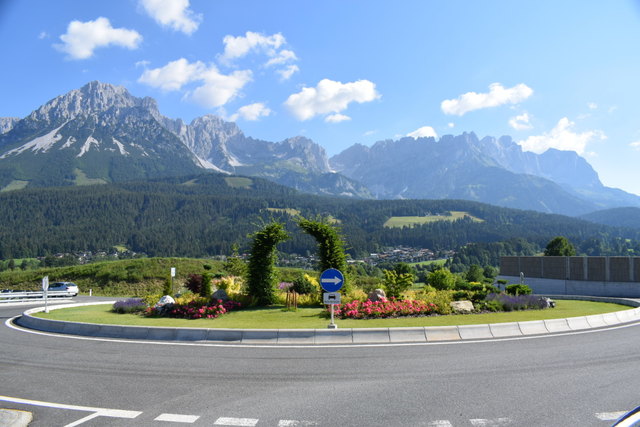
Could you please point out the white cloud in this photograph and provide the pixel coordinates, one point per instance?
(286, 73)
(635, 145)
(336, 118)
(215, 89)
(237, 47)
(271, 46)
(370, 132)
(174, 75)
(43, 35)
(82, 38)
(451, 125)
(173, 13)
(329, 97)
(251, 112)
(521, 122)
(592, 105)
(561, 137)
(218, 89)
(498, 95)
(423, 132)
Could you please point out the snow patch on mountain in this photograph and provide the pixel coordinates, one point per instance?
(87, 145)
(41, 143)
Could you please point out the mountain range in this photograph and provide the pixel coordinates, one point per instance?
(100, 133)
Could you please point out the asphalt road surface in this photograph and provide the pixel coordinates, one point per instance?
(579, 379)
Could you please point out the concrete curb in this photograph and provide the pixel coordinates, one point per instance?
(337, 336)
(15, 418)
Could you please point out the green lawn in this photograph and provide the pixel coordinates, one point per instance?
(410, 221)
(309, 318)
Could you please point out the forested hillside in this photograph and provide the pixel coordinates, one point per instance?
(206, 215)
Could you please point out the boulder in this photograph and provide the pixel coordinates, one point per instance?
(220, 294)
(547, 302)
(377, 295)
(164, 304)
(462, 306)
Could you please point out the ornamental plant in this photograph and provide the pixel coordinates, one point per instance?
(197, 309)
(131, 305)
(384, 309)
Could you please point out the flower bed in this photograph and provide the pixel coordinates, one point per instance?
(384, 309)
(195, 310)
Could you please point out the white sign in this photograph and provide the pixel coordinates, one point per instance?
(331, 298)
(173, 272)
(45, 283)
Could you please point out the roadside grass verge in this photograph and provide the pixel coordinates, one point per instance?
(310, 318)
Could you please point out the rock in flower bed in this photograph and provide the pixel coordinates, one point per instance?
(384, 309)
(196, 309)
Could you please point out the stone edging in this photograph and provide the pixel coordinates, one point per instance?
(337, 336)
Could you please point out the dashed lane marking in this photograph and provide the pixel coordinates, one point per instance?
(242, 422)
(177, 418)
(481, 422)
(440, 423)
(296, 423)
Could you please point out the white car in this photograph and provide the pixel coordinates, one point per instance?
(69, 287)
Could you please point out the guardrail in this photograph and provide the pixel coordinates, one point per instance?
(27, 296)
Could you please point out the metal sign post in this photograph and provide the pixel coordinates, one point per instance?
(173, 274)
(45, 289)
(331, 281)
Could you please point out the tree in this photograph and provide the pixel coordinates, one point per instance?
(475, 273)
(330, 245)
(441, 279)
(396, 283)
(261, 271)
(559, 246)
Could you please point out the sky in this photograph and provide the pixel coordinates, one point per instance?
(551, 74)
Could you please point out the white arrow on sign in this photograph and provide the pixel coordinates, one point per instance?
(334, 280)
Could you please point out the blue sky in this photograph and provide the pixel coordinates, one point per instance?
(562, 74)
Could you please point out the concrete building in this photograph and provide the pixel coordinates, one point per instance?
(595, 276)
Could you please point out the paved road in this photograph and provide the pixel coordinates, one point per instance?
(569, 380)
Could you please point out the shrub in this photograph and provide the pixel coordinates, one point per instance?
(197, 308)
(396, 283)
(384, 309)
(517, 302)
(302, 285)
(194, 283)
(518, 290)
(441, 279)
(131, 305)
(207, 288)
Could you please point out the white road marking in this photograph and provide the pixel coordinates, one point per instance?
(610, 416)
(84, 420)
(481, 422)
(440, 423)
(229, 421)
(177, 418)
(296, 423)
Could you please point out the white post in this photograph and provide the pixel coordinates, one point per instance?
(332, 325)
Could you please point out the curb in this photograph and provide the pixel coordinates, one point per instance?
(15, 418)
(285, 337)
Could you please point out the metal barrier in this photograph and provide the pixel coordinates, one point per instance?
(27, 296)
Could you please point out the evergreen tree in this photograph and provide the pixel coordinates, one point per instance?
(559, 246)
(330, 246)
(261, 271)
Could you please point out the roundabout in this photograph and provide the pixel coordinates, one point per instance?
(586, 377)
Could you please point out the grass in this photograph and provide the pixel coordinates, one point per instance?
(288, 211)
(15, 185)
(82, 179)
(309, 318)
(239, 182)
(410, 221)
(438, 262)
